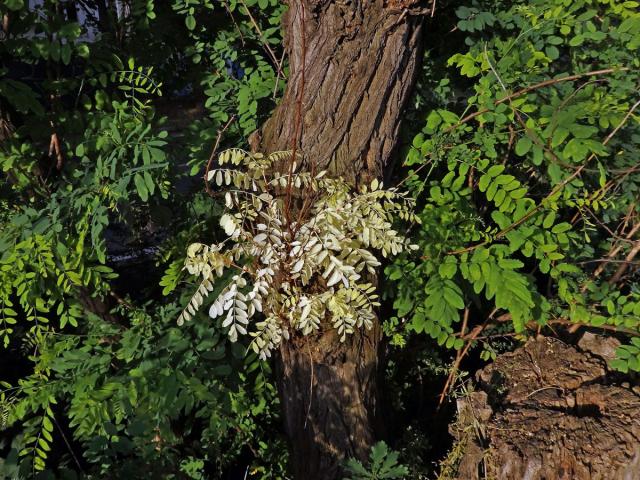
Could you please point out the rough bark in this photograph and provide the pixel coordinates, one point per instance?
(350, 77)
(551, 411)
(360, 60)
(329, 398)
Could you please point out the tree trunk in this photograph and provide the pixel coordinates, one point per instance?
(352, 66)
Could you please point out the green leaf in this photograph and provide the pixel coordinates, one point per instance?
(453, 297)
(523, 146)
(65, 53)
(549, 219)
(148, 181)
(14, 4)
(448, 269)
(576, 41)
(44, 445)
(561, 227)
(141, 187)
(463, 12)
(47, 425)
(495, 170)
(484, 182)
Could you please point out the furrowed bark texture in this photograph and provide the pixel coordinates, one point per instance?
(360, 60)
(551, 411)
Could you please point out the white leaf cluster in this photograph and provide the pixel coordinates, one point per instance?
(295, 272)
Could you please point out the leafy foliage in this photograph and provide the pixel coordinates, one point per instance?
(241, 72)
(529, 177)
(524, 176)
(104, 383)
(297, 269)
(383, 465)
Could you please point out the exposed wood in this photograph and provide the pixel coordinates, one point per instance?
(552, 411)
(625, 265)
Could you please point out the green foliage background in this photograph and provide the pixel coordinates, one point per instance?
(123, 393)
(525, 189)
(529, 180)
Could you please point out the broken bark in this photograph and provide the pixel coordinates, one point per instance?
(551, 411)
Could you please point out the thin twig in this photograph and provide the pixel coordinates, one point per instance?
(608, 260)
(226, 7)
(612, 253)
(628, 260)
(310, 385)
(66, 441)
(265, 44)
(279, 69)
(570, 323)
(459, 356)
(213, 155)
(538, 390)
